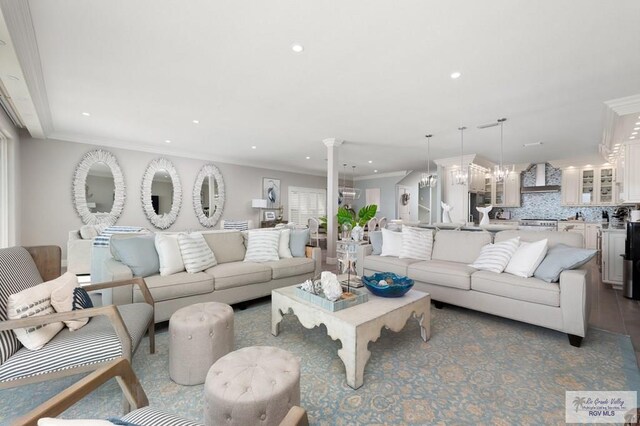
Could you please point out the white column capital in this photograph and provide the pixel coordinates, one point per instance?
(329, 142)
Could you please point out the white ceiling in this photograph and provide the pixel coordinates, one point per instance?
(374, 73)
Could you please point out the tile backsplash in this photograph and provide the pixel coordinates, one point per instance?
(547, 205)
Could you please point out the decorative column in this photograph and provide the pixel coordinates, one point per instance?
(332, 145)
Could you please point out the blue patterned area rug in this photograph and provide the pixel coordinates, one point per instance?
(476, 369)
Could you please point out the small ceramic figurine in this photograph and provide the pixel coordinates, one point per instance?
(485, 214)
(446, 209)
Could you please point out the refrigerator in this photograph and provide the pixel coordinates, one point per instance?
(631, 271)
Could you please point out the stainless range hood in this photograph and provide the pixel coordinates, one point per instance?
(541, 183)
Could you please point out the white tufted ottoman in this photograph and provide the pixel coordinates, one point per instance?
(252, 386)
(198, 335)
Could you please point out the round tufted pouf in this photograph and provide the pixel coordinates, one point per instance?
(252, 386)
(198, 336)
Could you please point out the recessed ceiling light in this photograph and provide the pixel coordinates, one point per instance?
(195, 121)
(298, 48)
(370, 161)
(308, 158)
(456, 74)
(86, 114)
(167, 141)
(254, 147)
(375, 171)
(634, 133)
(532, 144)
(636, 128)
(632, 137)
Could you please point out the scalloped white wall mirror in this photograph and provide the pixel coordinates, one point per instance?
(161, 193)
(98, 188)
(208, 195)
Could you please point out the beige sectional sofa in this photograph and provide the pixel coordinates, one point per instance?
(562, 306)
(230, 281)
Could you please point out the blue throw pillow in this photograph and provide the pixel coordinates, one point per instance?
(559, 258)
(138, 253)
(298, 241)
(375, 238)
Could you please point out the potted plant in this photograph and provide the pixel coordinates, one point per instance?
(350, 220)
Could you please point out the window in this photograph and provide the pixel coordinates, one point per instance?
(4, 191)
(305, 203)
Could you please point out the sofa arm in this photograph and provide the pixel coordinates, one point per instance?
(117, 271)
(574, 301)
(362, 251)
(79, 256)
(316, 255)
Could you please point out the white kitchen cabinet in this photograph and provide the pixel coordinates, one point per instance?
(477, 179)
(512, 190)
(606, 193)
(574, 227)
(632, 172)
(591, 235)
(612, 261)
(570, 187)
(587, 186)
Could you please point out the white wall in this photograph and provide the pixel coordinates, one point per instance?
(47, 168)
(387, 185)
(11, 133)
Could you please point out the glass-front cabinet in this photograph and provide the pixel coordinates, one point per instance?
(587, 183)
(499, 194)
(607, 183)
(488, 189)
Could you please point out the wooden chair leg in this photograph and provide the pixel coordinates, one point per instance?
(152, 337)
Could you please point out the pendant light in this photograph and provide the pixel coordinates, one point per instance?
(345, 191)
(461, 175)
(501, 172)
(428, 180)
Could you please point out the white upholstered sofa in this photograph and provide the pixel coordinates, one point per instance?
(230, 281)
(562, 306)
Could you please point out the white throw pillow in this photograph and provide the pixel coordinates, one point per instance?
(417, 243)
(62, 298)
(169, 254)
(262, 246)
(50, 421)
(34, 301)
(196, 254)
(391, 243)
(284, 251)
(495, 257)
(527, 258)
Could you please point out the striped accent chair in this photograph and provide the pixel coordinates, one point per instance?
(142, 415)
(113, 332)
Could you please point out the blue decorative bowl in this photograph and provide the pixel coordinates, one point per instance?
(397, 287)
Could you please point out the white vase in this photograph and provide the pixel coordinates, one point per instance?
(357, 233)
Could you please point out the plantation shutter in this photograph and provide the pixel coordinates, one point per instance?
(305, 203)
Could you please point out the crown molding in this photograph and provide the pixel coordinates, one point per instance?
(175, 152)
(17, 18)
(331, 142)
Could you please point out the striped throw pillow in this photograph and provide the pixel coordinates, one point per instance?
(417, 243)
(238, 225)
(262, 246)
(196, 254)
(495, 257)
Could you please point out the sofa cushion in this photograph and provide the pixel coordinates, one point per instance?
(236, 274)
(459, 246)
(388, 264)
(553, 238)
(227, 246)
(175, 286)
(513, 287)
(291, 267)
(442, 272)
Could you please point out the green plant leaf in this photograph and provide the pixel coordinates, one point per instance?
(366, 213)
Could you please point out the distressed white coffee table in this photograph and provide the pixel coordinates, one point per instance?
(355, 326)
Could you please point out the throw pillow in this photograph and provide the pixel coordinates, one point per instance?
(526, 259)
(34, 301)
(262, 246)
(375, 238)
(169, 255)
(391, 243)
(138, 253)
(50, 421)
(298, 241)
(196, 254)
(63, 298)
(417, 243)
(88, 232)
(284, 252)
(238, 225)
(495, 257)
(560, 258)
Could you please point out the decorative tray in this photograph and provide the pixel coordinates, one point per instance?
(360, 296)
